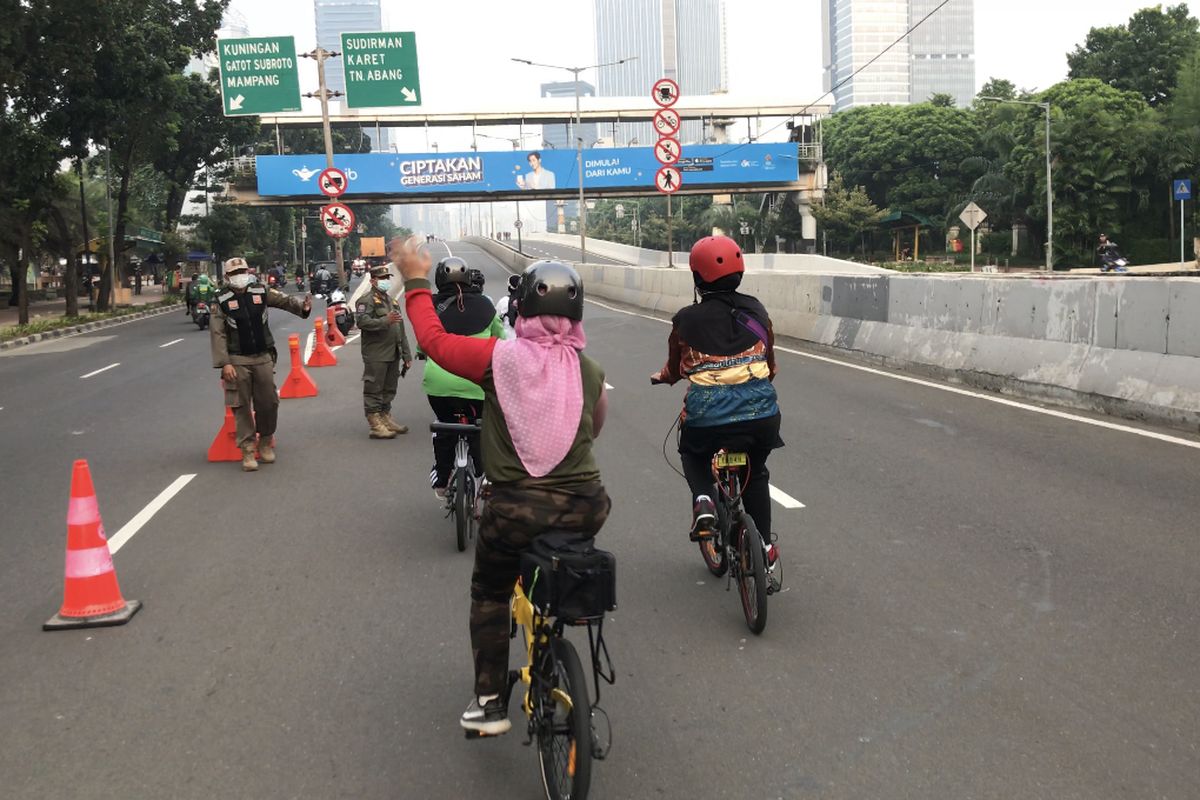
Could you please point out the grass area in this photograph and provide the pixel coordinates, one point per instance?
(55, 323)
(920, 266)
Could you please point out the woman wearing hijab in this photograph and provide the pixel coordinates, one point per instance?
(544, 403)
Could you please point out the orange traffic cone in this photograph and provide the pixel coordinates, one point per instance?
(321, 356)
(333, 334)
(298, 383)
(91, 596)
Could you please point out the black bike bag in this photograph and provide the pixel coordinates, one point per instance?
(565, 576)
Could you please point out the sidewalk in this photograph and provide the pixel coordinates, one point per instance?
(56, 308)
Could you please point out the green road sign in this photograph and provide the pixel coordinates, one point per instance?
(258, 76)
(381, 69)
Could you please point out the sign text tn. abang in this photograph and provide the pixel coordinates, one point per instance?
(532, 173)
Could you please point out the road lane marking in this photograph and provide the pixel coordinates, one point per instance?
(308, 348)
(102, 369)
(784, 499)
(608, 385)
(134, 525)
(1049, 412)
(168, 344)
(348, 341)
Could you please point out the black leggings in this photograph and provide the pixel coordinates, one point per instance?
(757, 439)
(453, 409)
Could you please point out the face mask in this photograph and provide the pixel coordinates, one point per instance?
(383, 285)
(239, 281)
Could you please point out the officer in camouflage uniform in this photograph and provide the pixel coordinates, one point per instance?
(244, 350)
(384, 347)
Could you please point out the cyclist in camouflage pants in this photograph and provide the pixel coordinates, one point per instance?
(544, 403)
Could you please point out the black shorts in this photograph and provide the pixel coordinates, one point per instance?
(755, 434)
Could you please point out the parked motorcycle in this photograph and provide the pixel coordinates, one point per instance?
(342, 315)
(200, 314)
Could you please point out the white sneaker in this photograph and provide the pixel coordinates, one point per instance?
(487, 716)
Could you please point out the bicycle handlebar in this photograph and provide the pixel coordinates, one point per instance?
(454, 427)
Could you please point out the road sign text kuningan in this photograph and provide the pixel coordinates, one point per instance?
(381, 69)
(258, 76)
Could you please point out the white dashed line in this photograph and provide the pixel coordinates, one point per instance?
(608, 385)
(134, 525)
(784, 499)
(348, 341)
(102, 369)
(168, 344)
(1049, 412)
(308, 348)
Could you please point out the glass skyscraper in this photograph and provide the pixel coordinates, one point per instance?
(679, 39)
(938, 57)
(335, 17)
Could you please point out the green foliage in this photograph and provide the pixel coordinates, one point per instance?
(1142, 56)
(997, 243)
(847, 214)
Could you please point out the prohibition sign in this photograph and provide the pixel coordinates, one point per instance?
(666, 150)
(337, 219)
(666, 122)
(667, 180)
(332, 182)
(665, 92)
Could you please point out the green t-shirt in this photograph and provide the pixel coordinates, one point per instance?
(437, 382)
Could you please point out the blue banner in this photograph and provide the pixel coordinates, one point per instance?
(531, 172)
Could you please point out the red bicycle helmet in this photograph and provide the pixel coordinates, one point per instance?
(714, 257)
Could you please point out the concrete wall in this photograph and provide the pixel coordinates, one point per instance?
(1129, 346)
(755, 262)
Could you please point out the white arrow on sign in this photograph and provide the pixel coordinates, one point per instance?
(236, 103)
(409, 95)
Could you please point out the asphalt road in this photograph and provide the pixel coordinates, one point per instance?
(982, 601)
(542, 249)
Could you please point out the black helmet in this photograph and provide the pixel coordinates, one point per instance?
(476, 277)
(451, 270)
(550, 288)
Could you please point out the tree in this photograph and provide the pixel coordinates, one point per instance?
(907, 157)
(1142, 56)
(847, 213)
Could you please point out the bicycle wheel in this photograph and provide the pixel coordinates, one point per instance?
(564, 727)
(752, 575)
(462, 509)
(472, 492)
(712, 549)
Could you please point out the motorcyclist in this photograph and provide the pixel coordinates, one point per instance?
(462, 309)
(724, 346)
(544, 404)
(322, 281)
(190, 294)
(1110, 255)
(204, 290)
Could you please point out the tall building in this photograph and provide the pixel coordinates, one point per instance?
(938, 57)
(943, 51)
(679, 39)
(335, 17)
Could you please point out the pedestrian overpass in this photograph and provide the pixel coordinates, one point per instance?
(717, 166)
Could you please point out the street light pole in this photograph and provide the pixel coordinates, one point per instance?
(1049, 177)
(575, 71)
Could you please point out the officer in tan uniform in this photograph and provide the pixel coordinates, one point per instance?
(384, 348)
(244, 350)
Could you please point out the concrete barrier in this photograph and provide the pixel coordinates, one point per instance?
(1128, 346)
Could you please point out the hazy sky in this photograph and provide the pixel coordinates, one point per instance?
(774, 46)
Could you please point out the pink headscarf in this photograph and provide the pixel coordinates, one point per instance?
(540, 389)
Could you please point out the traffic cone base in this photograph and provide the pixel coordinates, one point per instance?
(91, 595)
(298, 382)
(59, 623)
(224, 447)
(321, 356)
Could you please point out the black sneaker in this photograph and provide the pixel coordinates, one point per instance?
(486, 717)
(704, 518)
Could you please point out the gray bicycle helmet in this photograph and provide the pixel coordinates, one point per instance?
(451, 270)
(550, 288)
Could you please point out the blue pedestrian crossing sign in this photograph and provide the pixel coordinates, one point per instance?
(1182, 189)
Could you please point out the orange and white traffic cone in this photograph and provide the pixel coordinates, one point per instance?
(91, 596)
(333, 334)
(321, 356)
(298, 383)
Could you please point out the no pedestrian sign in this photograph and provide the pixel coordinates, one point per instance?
(667, 180)
(258, 76)
(332, 182)
(381, 69)
(338, 220)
